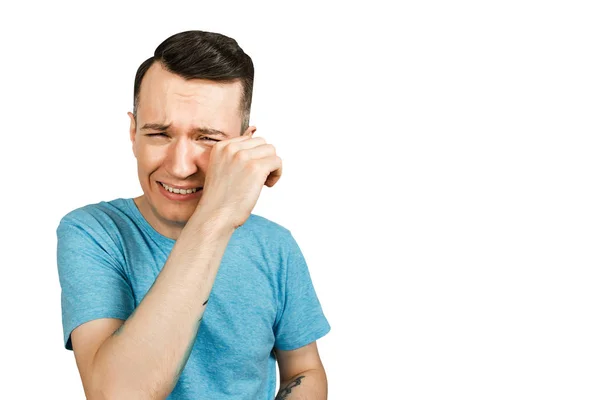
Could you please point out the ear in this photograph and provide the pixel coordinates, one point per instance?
(132, 128)
(250, 131)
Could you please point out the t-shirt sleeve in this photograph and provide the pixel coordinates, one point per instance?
(301, 320)
(93, 282)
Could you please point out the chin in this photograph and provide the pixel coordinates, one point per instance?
(176, 215)
(170, 212)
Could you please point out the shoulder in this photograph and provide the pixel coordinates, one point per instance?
(263, 238)
(96, 215)
(265, 231)
(100, 223)
(259, 223)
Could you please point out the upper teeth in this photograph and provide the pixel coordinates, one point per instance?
(181, 191)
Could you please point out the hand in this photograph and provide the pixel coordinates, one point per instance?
(237, 170)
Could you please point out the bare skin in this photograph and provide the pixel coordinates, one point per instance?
(145, 356)
(148, 354)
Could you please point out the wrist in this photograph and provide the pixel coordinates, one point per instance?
(209, 220)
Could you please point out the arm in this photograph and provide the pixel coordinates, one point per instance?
(143, 358)
(301, 373)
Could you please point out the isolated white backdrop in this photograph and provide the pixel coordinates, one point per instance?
(440, 175)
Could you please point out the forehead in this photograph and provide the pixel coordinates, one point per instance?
(167, 97)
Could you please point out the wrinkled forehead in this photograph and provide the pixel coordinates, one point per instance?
(167, 96)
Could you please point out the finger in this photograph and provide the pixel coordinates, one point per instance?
(256, 148)
(244, 136)
(276, 165)
(272, 180)
(245, 144)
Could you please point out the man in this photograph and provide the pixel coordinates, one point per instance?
(182, 293)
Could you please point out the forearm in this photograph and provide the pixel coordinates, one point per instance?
(144, 358)
(309, 385)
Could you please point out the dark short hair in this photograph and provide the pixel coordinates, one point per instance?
(203, 55)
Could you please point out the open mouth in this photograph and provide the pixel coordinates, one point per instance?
(180, 191)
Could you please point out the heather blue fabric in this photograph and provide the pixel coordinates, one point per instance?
(263, 297)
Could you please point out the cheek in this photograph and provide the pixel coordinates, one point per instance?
(150, 157)
(203, 157)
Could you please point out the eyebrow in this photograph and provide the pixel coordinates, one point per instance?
(202, 130)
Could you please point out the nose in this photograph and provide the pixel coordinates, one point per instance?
(182, 158)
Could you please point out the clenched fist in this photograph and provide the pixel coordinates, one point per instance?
(237, 170)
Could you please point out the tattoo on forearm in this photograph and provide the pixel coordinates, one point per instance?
(284, 392)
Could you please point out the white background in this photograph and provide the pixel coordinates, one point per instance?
(440, 175)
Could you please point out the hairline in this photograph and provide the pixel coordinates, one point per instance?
(242, 111)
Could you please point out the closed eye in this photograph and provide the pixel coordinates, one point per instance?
(205, 138)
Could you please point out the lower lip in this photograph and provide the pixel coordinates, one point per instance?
(179, 196)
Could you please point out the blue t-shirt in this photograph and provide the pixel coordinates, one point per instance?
(263, 297)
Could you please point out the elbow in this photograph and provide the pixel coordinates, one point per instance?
(117, 394)
(93, 386)
(97, 394)
(111, 383)
(114, 392)
(97, 390)
(102, 387)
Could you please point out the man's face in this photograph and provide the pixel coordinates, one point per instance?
(178, 122)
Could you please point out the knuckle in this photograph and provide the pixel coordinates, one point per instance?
(227, 149)
(241, 156)
(255, 167)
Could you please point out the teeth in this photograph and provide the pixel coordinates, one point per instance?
(179, 191)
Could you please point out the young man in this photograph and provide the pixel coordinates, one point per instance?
(182, 293)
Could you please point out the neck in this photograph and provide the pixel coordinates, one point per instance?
(170, 229)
